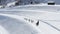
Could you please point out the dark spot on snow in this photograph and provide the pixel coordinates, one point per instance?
(37, 23)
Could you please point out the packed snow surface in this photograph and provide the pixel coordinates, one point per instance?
(49, 19)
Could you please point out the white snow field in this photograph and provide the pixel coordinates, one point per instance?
(48, 16)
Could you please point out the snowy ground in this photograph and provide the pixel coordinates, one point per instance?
(49, 20)
(10, 24)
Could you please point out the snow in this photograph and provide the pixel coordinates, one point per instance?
(11, 4)
(46, 29)
(3, 31)
(35, 13)
(15, 24)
